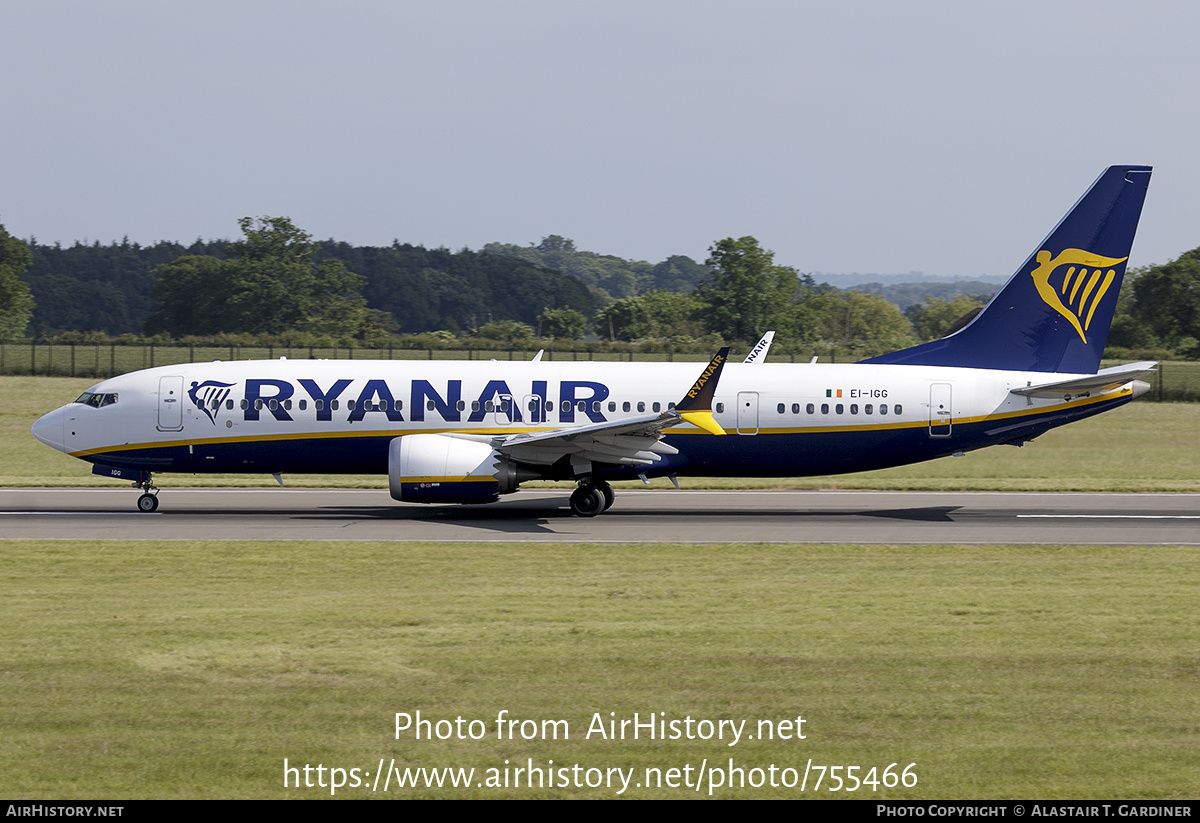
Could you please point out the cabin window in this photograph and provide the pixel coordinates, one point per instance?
(824, 408)
(461, 405)
(795, 408)
(625, 406)
(229, 404)
(595, 405)
(839, 408)
(318, 404)
(810, 408)
(258, 404)
(489, 406)
(581, 405)
(566, 405)
(854, 408)
(533, 405)
(272, 404)
(867, 408)
(474, 405)
(670, 406)
(720, 408)
(303, 405)
(781, 408)
(612, 406)
(504, 405)
(429, 405)
(897, 409)
(641, 405)
(333, 404)
(287, 404)
(349, 404)
(883, 408)
(245, 404)
(657, 406)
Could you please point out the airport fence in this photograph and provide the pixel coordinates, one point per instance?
(1175, 381)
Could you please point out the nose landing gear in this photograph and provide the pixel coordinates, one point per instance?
(148, 502)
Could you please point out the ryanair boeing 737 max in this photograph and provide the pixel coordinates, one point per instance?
(468, 432)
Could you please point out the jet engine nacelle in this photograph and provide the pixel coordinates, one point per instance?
(437, 468)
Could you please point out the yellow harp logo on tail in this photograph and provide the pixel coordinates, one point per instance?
(1079, 283)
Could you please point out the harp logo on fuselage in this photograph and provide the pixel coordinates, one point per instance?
(209, 396)
(1073, 283)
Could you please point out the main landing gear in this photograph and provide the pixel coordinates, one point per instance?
(148, 502)
(591, 498)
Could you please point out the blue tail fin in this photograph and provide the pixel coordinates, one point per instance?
(1053, 315)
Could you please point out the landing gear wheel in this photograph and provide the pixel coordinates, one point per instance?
(607, 491)
(147, 503)
(587, 501)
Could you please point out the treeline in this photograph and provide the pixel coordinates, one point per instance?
(612, 276)
(94, 287)
(906, 295)
(276, 286)
(111, 288)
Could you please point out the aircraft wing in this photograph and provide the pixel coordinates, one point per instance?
(630, 441)
(1103, 380)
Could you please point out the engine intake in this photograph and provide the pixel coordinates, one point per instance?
(437, 468)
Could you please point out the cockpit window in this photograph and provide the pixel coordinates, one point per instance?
(96, 400)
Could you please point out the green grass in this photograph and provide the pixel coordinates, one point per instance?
(1141, 447)
(192, 669)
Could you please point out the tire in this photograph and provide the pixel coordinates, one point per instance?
(607, 491)
(587, 501)
(147, 503)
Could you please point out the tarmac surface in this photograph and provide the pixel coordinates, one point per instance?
(637, 516)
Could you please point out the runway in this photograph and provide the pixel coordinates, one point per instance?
(638, 516)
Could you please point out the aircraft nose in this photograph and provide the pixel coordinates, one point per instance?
(49, 429)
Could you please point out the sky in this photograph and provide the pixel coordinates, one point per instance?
(941, 137)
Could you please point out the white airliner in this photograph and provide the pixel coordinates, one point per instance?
(468, 432)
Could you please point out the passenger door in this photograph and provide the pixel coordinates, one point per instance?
(170, 403)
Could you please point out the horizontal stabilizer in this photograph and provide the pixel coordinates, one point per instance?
(1103, 380)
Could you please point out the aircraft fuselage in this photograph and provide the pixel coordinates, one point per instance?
(302, 416)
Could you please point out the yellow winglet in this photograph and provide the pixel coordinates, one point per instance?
(703, 420)
(696, 406)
